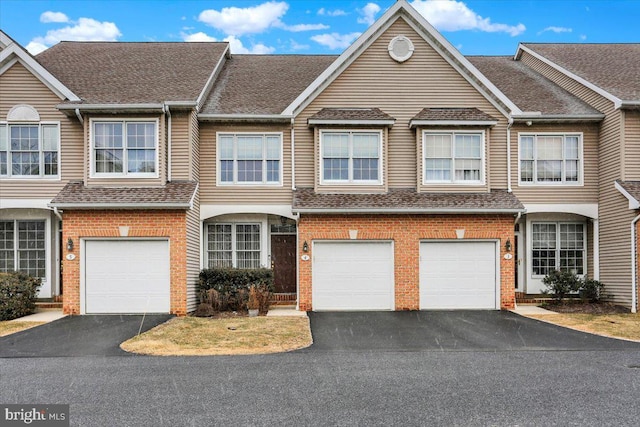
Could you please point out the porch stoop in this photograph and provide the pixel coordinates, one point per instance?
(49, 303)
(532, 299)
(284, 299)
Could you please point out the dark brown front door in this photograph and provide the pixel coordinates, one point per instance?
(283, 260)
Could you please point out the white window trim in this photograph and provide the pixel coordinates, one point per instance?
(557, 223)
(47, 241)
(124, 174)
(578, 183)
(453, 181)
(350, 181)
(42, 176)
(234, 255)
(235, 182)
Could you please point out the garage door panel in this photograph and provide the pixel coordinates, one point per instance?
(129, 276)
(353, 276)
(458, 275)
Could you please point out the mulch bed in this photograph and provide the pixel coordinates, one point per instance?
(586, 308)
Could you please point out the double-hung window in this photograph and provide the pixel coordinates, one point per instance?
(558, 246)
(23, 247)
(29, 150)
(453, 157)
(550, 159)
(233, 245)
(125, 148)
(351, 157)
(250, 158)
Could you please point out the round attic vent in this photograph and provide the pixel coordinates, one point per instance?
(400, 48)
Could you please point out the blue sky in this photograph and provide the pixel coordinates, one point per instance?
(487, 27)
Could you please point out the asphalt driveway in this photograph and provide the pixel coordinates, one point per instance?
(448, 331)
(89, 335)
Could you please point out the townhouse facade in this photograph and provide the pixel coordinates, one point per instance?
(399, 175)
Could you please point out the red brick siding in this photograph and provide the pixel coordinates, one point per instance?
(406, 231)
(98, 223)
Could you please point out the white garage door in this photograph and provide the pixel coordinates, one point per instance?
(127, 276)
(458, 275)
(352, 276)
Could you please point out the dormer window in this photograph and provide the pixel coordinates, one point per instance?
(453, 157)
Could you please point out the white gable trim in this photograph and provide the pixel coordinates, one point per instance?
(422, 27)
(12, 49)
(616, 101)
(633, 203)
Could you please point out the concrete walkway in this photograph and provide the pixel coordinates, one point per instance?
(285, 311)
(525, 310)
(42, 316)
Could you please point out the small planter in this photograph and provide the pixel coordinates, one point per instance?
(253, 312)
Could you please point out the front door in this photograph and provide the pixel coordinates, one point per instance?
(283, 261)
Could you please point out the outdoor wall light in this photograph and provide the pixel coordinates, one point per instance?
(305, 247)
(69, 244)
(507, 246)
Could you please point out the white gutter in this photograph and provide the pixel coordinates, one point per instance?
(122, 205)
(634, 266)
(79, 116)
(509, 189)
(293, 156)
(407, 210)
(245, 117)
(93, 107)
(167, 111)
(558, 117)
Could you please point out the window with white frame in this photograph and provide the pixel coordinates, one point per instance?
(550, 159)
(233, 245)
(250, 158)
(122, 148)
(351, 157)
(453, 157)
(23, 247)
(29, 150)
(558, 246)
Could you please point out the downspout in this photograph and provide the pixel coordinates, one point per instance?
(168, 113)
(55, 211)
(509, 156)
(634, 266)
(79, 116)
(293, 187)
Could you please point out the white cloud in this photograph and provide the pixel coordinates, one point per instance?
(583, 37)
(337, 12)
(302, 27)
(237, 21)
(297, 46)
(335, 41)
(49, 16)
(197, 37)
(368, 13)
(557, 30)
(452, 15)
(35, 48)
(236, 46)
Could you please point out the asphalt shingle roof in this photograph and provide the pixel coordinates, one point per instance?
(631, 187)
(453, 114)
(614, 67)
(351, 114)
(127, 73)
(529, 90)
(407, 199)
(176, 194)
(263, 84)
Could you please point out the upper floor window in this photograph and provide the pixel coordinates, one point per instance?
(453, 157)
(550, 159)
(250, 158)
(351, 157)
(125, 148)
(29, 150)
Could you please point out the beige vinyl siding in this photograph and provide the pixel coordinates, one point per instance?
(19, 86)
(195, 146)
(193, 253)
(400, 90)
(632, 145)
(180, 146)
(586, 193)
(210, 193)
(458, 188)
(369, 188)
(613, 212)
(127, 181)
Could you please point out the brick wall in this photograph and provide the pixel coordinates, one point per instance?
(99, 223)
(406, 231)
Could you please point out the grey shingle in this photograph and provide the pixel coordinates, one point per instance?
(351, 114)
(631, 187)
(117, 72)
(405, 199)
(529, 90)
(614, 67)
(453, 114)
(177, 195)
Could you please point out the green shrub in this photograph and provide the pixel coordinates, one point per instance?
(232, 287)
(561, 283)
(591, 290)
(18, 292)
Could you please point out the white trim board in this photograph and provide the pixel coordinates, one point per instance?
(208, 211)
(589, 210)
